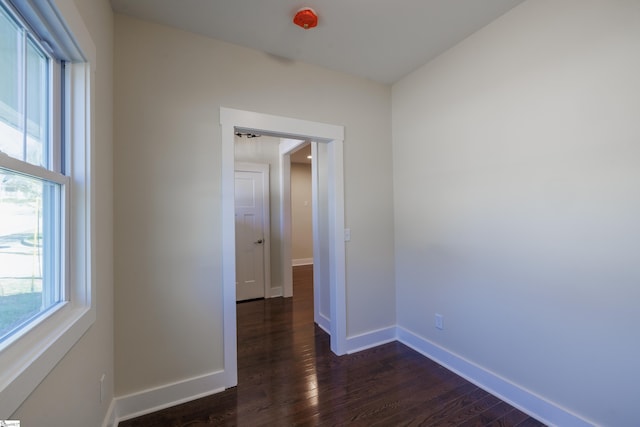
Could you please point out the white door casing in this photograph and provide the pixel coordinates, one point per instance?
(286, 147)
(252, 230)
(232, 120)
(320, 270)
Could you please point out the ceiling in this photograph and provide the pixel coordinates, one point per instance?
(382, 40)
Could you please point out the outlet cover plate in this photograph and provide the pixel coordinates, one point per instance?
(439, 321)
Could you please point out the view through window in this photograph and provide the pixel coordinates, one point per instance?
(31, 182)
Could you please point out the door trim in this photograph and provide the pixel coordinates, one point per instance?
(264, 169)
(286, 147)
(283, 127)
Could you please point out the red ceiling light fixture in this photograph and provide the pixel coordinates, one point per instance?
(306, 18)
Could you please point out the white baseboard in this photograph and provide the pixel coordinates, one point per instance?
(370, 339)
(110, 420)
(155, 399)
(276, 292)
(523, 399)
(323, 322)
(301, 261)
(151, 400)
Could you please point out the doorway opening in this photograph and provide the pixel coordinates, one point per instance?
(273, 229)
(325, 138)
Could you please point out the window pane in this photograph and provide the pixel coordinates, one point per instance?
(11, 135)
(36, 107)
(29, 248)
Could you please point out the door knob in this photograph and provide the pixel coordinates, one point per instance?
(258, 242)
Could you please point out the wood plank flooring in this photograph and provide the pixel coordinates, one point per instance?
(287, 376)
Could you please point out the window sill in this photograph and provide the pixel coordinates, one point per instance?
(30, 357)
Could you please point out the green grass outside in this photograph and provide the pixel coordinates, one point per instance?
(19, 300)
(19, 285)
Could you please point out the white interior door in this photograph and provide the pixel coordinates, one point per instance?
(251, 195)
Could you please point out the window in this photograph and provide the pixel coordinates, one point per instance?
(46, 295)
(32, 185)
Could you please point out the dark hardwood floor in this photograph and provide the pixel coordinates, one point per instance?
(288, 376)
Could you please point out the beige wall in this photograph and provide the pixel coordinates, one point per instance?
(169, 86)
(70, 395)
(516, 203)
(516, 178)
(301, 220)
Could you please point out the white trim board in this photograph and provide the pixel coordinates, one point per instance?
(158, 398)
(286, 147)
(147, 401)
(371, 339)
(518, 397)
(110, 419)
(276, 292)
(323, 322)
(301, 261)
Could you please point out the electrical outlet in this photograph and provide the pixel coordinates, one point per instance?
(102, 387)
(439, 321)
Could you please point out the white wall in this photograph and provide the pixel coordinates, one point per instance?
(301, 219)
(70, 394)
(265, 150)
(516, 193)
(169, 86)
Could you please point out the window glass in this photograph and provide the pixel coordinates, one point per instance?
(31, 249)
(36, 107)
(29, 241)
(10, 119)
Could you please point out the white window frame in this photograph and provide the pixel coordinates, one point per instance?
(26, 360)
